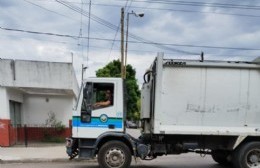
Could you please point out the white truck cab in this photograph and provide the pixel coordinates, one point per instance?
(90, 121)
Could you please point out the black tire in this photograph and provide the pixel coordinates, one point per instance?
(247, 155)
(221, 157)
(114, 154)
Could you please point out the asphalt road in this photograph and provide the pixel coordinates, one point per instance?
(180, 161)
(174, 161)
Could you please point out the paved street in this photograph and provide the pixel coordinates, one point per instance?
(42, 158)
(181, 161)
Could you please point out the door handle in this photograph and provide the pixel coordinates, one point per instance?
(111, 126)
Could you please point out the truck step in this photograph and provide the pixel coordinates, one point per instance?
(87, 147)
(74, 154)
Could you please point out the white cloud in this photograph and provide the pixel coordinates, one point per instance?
(157, 26)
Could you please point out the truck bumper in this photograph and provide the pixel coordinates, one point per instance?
(71, 148)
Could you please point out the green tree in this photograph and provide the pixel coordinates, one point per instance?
(113, 69)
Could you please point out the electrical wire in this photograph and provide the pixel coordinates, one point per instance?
(189, 3)
(177, 10)
(184, 3)
(169, 9)
(181, 10)
(48, 9)
(136, 42)
(118, 26)
(143, 51)
(202, 4)
(80, 32)
(88, 31)
(113, 27)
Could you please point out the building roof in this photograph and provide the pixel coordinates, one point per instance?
(38, 77)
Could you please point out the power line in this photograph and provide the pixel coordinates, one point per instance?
(93, 17)
(136, 42)
(118, 25)
(80, 34)
(197, 3)
(169, 9)
(40, 33)
(203, 4)
(185, 3)
(107, 24)
(141, 51)
(80, 31)
(104, 48)
(88, 29)
(48, 9)
(113, 27)
(133, 36)
(71, 18)
(182, 10)
(177, 10)
(129, 6)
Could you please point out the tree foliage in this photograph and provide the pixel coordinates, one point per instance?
(113, 69)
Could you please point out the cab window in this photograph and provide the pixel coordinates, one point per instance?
(103, 95)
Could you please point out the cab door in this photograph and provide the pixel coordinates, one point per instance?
(97, 120)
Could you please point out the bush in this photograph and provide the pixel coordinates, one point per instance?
(53, 129)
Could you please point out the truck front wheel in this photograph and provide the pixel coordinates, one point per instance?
(114, 154)
(247, 155)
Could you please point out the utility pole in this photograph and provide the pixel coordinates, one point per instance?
(122, 44)
(126, 43)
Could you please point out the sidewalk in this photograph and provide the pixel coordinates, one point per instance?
(33, 154)
(42, 152)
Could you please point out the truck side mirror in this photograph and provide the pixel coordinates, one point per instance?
(87, 110)
(85, 93)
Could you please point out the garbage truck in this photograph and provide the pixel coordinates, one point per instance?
(205, 107)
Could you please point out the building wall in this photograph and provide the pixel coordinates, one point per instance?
(6, 75)
(41, 88)
(7, 131)
(4, 110)
(37, 107)
(43, 74)
(4, 118)
(14, 95)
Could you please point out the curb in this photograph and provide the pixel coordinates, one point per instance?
(58, 160)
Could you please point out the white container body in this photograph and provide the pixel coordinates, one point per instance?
(206, 98)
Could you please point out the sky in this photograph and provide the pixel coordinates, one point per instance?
(181, 29)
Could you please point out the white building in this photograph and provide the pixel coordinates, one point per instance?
(30, 91)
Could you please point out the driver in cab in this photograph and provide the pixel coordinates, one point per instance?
(107, 102)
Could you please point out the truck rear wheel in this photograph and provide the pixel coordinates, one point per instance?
(114, 154)
(247, 155)
(221, 157)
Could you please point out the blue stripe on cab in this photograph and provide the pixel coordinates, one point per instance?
(96, 123)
